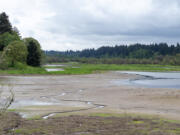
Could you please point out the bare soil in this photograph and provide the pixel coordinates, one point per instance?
(12, 124)
(89, 93)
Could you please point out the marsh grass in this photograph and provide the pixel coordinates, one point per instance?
(98, 68)
(75, 69)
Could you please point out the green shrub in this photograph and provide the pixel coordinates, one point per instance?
(15, 52)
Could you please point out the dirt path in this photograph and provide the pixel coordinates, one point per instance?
(40, 95)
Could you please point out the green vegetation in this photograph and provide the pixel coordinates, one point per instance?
(96, 68)
(5, 25)
(162, 53)
(138, 51)
(157, 59)
(7, 38)
(14, 50)
(34, 52)
(20, 68)
(75, 69)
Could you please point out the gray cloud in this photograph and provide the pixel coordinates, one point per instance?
(78, 24)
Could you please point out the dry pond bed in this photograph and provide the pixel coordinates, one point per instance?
(55, 97)
(42, 95)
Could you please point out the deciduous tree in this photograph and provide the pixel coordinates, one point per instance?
(7, 38)
(15, 52)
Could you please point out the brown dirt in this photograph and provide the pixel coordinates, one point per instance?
(12, 124)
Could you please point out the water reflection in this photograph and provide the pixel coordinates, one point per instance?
(54, 69)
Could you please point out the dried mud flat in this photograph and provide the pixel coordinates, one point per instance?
(50, 95)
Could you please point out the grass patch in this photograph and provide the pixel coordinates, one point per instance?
(29, 131)
(97, 68)
(11, 110)
(23, 69)
(35, 118)
(137, 122)
(75, 69)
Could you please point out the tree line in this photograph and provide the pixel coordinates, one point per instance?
(161, 53)
(14, 49)
(138, 51)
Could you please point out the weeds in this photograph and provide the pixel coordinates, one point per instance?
(91, 125)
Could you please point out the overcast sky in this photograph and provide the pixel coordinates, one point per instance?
(78, 24)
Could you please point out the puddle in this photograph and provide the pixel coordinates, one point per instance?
(75, 67)
(81, 90)
(54, 69)
(50, 115)
(54, 65)
(63, 94)
(101, 106)
(23, 103)
(89, 103)
(34, 105)
(153, 79)
(44, 97)
(54, 100)
(23, 115)
(94, 106)
(163, 75)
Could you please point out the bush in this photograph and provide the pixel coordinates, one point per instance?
(15, 52)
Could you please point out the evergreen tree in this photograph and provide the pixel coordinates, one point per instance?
(5, 25)
(34, 52)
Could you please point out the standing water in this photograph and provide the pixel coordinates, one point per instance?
(154, 79)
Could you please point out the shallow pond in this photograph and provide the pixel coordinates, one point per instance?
(54, 65)
(54, 69)
(51, 69)
(153, 79)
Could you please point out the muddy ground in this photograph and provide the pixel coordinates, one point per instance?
(13, 124)
(50, 95)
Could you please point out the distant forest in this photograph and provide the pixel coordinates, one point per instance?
(133, 51)
(161, 53)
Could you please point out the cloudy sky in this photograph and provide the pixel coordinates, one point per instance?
(78, 24)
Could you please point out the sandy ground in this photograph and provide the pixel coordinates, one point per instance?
(41, 95)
